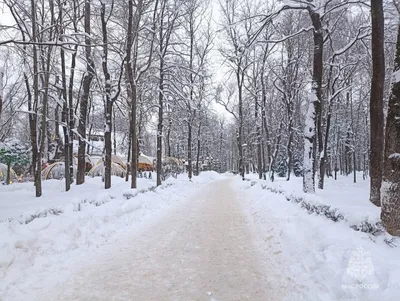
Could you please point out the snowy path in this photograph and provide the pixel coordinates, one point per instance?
(206, 249)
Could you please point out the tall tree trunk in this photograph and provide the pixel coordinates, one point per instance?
(198, 150)
(33, 120)
(65, 113)
(259, 150)
(128, 167)
(190, 167)
(1, 89)
(390, 213)
(168, 139)
(131, 77)
(325, 153)
(160, 123)
(80, 178)
(115, 134)
(134, 143)
(191, 95)
(290, 139)
(376, 102)
(71, 117)
(275, 154)
(109, 103)
(313, 118)
(240, 132)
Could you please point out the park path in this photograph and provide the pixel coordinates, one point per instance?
(205, 249)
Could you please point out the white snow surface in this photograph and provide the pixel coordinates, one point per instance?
(31, 253)
(329, 260)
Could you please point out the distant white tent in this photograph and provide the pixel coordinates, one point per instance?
(143, 159)
(118, 167)
(55, 171)
(98, 170)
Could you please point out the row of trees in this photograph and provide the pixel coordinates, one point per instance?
(113, 65)
(304, 83)
(308, 92)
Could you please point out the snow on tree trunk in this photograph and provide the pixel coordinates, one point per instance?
(390, 190)
(313, 118)
(309, 144)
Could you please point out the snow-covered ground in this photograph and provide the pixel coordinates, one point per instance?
(18, 201)
(351, 199)
(216, 238)
(329, 260)
(39, 234)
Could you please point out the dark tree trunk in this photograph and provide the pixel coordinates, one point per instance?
(1, 89)
(132, 91)
(290, 139)
(198, 150)
(168, 142)
(8, 179)
(376, 102)
(313, 118)
(80, 178)
(190, 167)
(71, 117)
(240, 132)
(390, 213)
(37, 166)
(160, 123)
(128, 167)
(275, 154)
(324, 158)
(259, 146)
(65, 113)
(134, 144)
(109, 103)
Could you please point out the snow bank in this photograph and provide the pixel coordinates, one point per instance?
(83, 219)
(340, 200)
(329, 260)
(18, 201)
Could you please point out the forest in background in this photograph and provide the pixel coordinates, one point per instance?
(305, 84)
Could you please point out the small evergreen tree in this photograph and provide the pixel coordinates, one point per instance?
(13, 153)
(281, 169)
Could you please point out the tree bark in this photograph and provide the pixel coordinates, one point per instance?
(275, 154)
(290, 139)
(8, 179)
(33, 120)
(259, 150)
(80, 178)
(390, 213)
(240, 132)
(313, 118)
(376, 101)
(198, 150)
(1, 89)
(109, 103)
